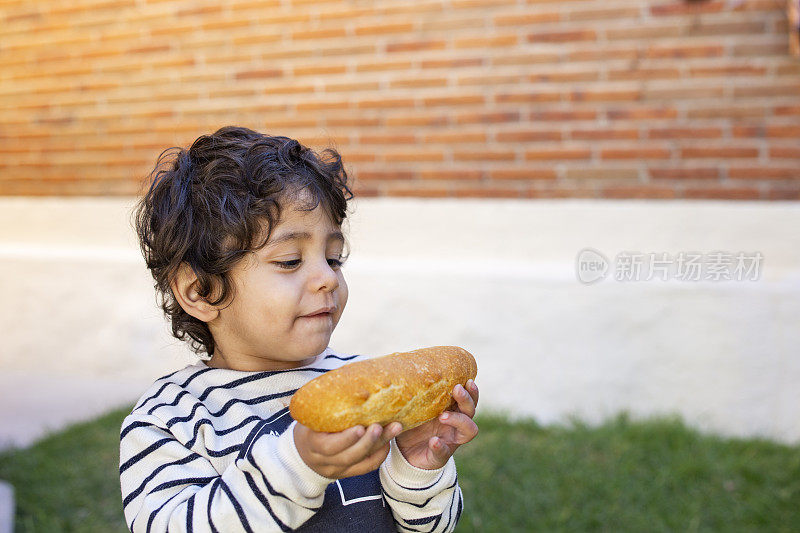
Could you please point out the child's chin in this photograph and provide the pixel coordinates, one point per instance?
(316, 344)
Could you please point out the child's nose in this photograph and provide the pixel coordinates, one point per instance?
(324, 276)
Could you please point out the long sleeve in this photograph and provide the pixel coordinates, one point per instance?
(169, 487)
(421, 500)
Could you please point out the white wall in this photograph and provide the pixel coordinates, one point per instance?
(497, 277)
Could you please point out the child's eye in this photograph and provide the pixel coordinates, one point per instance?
(288, 265)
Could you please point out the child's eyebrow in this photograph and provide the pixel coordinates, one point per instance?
(302, 236)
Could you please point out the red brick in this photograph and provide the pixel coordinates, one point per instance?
(410, 190)
(719, 152)
(382, 29)
(417, 119)
(562, 116)
(792, 192)
(487, 117)
(635, 153)
(683, 93)
(562, 191)
(316, 70)
(316, 106)
(759, 50)
(455, 175)
(258, 74)
(642, 113)
(414, 156)
(784, 110)
(721, 193)
(791, 152)
(685, 173)
(490, 81)
(388, 103)
(644, 31)
(565, 76)
(488, 191)
(454, 100)
(637, 191)
(485, 155)
(787, 131)
(351, 121)
(683, 51)
(526, 58)
(557, 153)
(455, 137)
(686, 8)
(528, 136)
(361, 190)
(326, 33)
(726, 112)
(764, 173)
(588, 95)
(562, 36)
(528, 97)
(685, 133)
(522, 174)
(463, 4)
(614, 13)
(495, 41)
(732, 28)
(394, 175)
(387, 139)
(604, 134)
(644, 74)
(748, 131)
(382, 65)
(351, 87)
(727, 70)
(767, 90)
(602, 54)
(453, 63)
(602, 173)
(418, 82)
(524, 19)
(415, 46)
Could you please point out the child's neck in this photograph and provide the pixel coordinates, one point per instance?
(255, 364)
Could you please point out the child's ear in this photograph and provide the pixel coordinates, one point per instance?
(184, 287)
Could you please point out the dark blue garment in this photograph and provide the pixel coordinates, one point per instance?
(351, 505)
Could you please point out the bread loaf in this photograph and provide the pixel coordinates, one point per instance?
(407, 387)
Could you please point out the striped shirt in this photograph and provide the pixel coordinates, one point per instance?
(208, 449)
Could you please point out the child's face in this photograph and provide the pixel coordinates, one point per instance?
(265, 327)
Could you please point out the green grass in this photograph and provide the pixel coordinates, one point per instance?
(643, 476)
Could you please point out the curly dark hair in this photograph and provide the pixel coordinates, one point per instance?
(212, 204)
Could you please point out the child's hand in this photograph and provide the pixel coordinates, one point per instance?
(351, 452)
(431, 444)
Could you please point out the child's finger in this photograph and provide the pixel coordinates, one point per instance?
(472, 389)
(369, 463)
(362, 448)
(466, 404)
(465, 427)
(334, 443)
(440, 450)
(389, 432)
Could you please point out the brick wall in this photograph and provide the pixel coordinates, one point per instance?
(504, 98)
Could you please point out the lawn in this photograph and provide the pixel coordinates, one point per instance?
(654, 475)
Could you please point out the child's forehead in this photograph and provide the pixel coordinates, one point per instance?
(298, 220)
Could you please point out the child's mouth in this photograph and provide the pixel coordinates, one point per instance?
(318, 315)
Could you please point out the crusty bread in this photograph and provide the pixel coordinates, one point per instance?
(407, 387)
